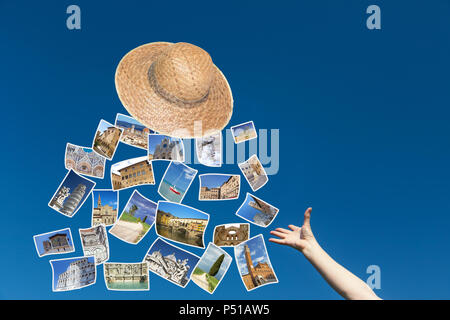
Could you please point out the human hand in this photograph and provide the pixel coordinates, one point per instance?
(300, 238)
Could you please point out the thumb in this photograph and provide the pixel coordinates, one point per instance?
(307, 219)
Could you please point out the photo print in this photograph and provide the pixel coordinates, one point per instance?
(84, 161)
(161, 147)
(136, 219)
(71, 194)
(106, 139)
(209, 150)
(243, 132)
(170, 262)
(95, 243)
(126, 276)
(134, 133)
(104, 206)
(231, 234)
(254, 172)
(54, 242)
(254, 264)
(181, 223)
(257, 211)
(216, 186)
(73, 273)
(176, 181)
(132, 172)
(211, 268)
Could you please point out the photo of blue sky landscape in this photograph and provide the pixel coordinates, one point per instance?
(178, 176)
(128, 122)
(146, 209)
(213, 180)
(356, 122)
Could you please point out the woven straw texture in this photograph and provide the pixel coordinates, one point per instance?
(174, 89)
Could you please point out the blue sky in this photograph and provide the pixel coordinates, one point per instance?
(179, 174)
(60, 266)
(212, 253)
(257, 252)
(165, 248)
(180, 210)
(362, 118)
(124, 118)
(41, 238)
(146, 208)
(155, 139)
(108, 197)
(213, 180)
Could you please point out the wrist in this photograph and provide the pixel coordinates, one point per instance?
(311, 249)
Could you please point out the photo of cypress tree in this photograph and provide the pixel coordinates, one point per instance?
(216, 266)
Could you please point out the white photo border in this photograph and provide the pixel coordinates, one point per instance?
(93, 205)
(221, 149)
(148, 276)
(159, 134)
(265, 173)
(249, 194)
(254, 128)
(107, 242)
(217, 174)
(187, 189)
(137, 185)
(87, 175)
(118, 141)
(225, 224)
(56, 231)
(72, 258)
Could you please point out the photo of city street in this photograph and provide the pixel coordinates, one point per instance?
(106, 139)
(254, 172)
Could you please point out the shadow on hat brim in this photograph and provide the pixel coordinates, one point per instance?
(161, 115)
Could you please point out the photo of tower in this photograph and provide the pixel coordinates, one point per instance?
(254, 264)
(71, 194)
(106, 139)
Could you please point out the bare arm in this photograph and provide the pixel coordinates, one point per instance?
(340, 279)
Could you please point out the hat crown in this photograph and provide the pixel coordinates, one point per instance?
(184, 71)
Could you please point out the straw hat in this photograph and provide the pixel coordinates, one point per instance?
(174, 89)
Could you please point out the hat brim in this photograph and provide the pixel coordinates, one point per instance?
(161, 115)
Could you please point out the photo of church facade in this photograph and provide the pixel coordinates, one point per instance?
(54, 242)
(254, 263)
(162, 147)
(132, 172)
(95, 243)
(254, 172)
(71, 194)
(73, 273)
(84, 161)
(104, 207)
(106, 139)
(230, 235)
(219, 186)
(171, 262)
(133, 132)
(126, 276)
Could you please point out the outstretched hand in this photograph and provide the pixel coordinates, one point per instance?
(300, 238)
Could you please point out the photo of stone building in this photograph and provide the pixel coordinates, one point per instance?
(71, 194)
(230, 235)
(243, 132)
(104, 207)
(134, 133)
(254, 172)
(181, 223)
(73, 273)
(84, 161)
(257, 211)
(132, 172)
(171, 262)
(106, 139)
(219, 186)
(254, 263)
(95, 242)
(54, 242)
(209, 150)
(162, 147)
(126, 276)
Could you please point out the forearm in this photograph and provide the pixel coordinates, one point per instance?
(340, 279)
